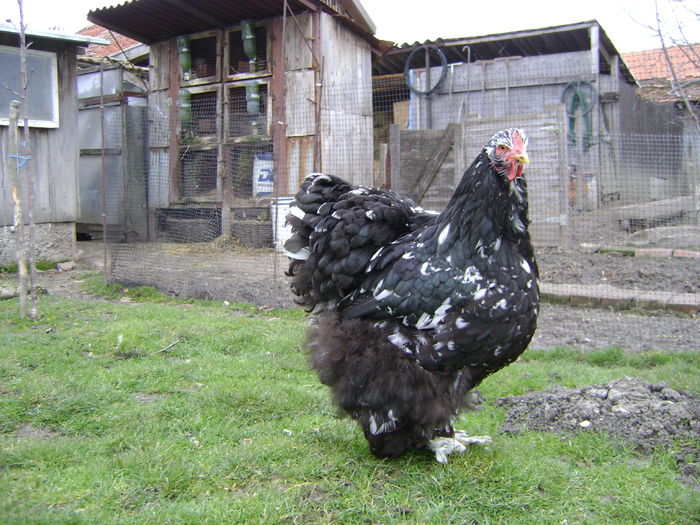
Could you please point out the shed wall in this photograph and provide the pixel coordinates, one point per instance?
(346, 103)
(54, 156)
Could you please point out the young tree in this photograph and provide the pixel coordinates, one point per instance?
(19, 153)
(670, 27)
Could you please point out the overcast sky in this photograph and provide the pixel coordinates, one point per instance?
(419, 20)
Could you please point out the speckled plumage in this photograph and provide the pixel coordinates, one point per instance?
(412, 309)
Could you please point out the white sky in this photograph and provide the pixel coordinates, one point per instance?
(418, 20)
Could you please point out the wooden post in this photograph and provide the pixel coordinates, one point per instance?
(174, 113)
(393, 180)
(317, 66)
(12, 166)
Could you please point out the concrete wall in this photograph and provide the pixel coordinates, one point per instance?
(54, 241)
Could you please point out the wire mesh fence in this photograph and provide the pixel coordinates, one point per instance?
(197, 198)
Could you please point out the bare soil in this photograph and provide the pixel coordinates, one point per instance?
(558, 325)
(668, 274)
(648, 416)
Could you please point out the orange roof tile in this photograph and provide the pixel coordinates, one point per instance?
(115, 40)
(652, 64)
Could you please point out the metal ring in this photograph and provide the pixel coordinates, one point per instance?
(443, 67)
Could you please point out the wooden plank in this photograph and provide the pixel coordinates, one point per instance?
(159, 69)
(298, 42)
(301, 110)
(158, 177)
(278, 93)
(394, 168)
(445, 144)
(300, 160)
(173, 92)
(159, 119)
(61, 149)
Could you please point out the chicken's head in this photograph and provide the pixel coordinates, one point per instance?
(507, 152)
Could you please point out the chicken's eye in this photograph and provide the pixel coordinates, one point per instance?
(501, 148)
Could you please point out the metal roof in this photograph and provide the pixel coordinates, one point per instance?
(151, 21)
(544, 41)
(52, 35)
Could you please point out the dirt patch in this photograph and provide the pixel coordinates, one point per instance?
(599, 328)
(143, 397)
(646, 415)
(559, 325)
(30, 431)
(667, 274)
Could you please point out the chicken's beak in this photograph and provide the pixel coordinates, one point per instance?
(522, 158)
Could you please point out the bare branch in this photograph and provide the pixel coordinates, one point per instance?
(675, 84)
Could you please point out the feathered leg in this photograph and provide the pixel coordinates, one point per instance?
(398, 403)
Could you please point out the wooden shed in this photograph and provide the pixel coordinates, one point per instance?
(53, 121)
(567, 86)
(244, 101)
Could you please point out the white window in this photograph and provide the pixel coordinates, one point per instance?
(42, 89)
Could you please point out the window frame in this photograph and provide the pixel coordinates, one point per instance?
(228, 136)
(227, 75)
(55, 121)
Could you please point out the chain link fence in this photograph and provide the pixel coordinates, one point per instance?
(196, 198)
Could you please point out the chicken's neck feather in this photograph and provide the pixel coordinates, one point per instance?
(485, 212)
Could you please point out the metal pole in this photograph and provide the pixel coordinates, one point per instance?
(103, 176)
(428, 105)
(469, 70)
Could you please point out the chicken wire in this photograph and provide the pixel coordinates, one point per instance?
(202, 212)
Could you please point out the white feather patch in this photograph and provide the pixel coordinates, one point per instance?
(443, 234)
(471, 274)
(399, 341)
(383, 294)
(301, 255)
(388, 425)
(525, 266)
(297, 212)
(376, 254)
(479, 294)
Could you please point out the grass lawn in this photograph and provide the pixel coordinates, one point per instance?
(163, 412)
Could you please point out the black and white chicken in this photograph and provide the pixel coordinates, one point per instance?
(412, 309)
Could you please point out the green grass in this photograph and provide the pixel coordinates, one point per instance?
(167, 412)
(41, 265)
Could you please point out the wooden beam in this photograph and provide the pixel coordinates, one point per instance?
(174, 123)
(594, 33)
(279, 109)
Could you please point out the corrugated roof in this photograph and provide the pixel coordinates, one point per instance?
(152, 21)
(530, 42)
(52, 35)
